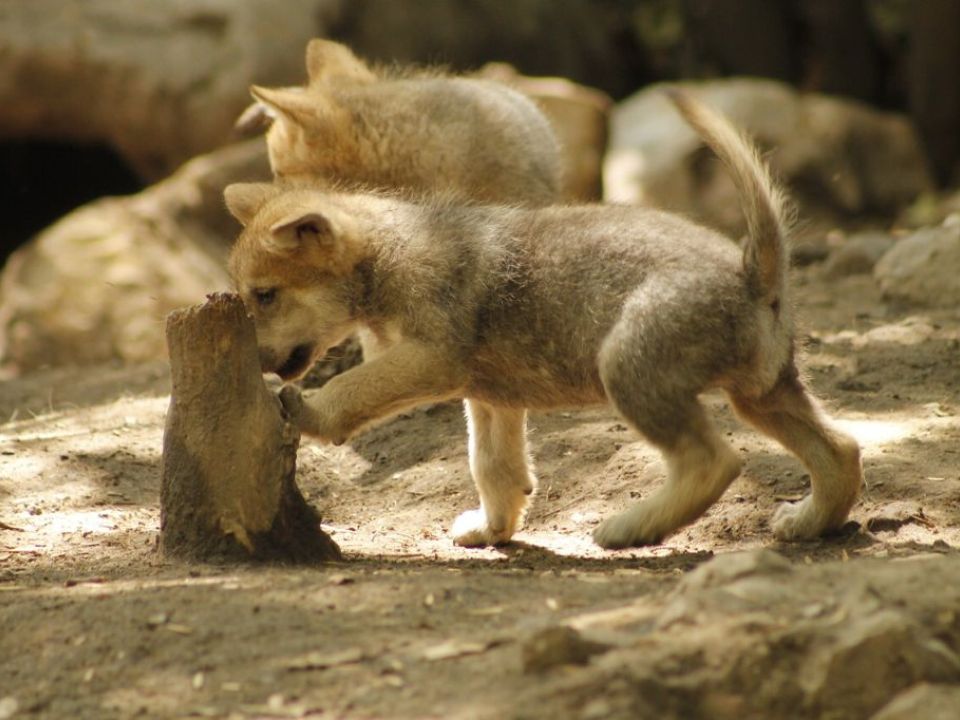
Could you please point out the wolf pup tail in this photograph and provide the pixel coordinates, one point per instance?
(765, 256)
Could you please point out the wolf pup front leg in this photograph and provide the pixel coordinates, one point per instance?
(500, 466)
(402, 377)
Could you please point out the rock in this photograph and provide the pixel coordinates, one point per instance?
(158, 81)
(930, 702)
(808, 251)
(930, 209)
(862, 159)
(558, 645)
(579, 116)
(728, 584)
(730, 567)
(858, 255)
(922, 269)
(871, 659)
(8, 707)
(909, 331)
(837, 156)
(96, 285)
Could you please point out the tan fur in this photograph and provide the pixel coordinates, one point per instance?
(415, 131)
(515, 308)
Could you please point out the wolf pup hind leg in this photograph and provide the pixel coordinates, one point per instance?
(700, 463)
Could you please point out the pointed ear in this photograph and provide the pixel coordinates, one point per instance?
(291, 104)
(327, 59)
(256, 117)
(244, 200)
(302, 230)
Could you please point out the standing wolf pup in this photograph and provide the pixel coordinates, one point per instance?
(518, 308)
(408, 130)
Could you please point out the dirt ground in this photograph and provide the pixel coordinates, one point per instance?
(719, 621)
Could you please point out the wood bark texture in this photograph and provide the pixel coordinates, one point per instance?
(228, 489)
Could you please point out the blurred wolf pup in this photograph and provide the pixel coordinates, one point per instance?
(516, 308)
(407, 129)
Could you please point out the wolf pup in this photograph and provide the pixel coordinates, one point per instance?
(518, 308)
(420, 131)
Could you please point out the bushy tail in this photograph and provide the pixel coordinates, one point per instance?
(765, 257)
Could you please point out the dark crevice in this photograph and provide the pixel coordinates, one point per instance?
(42, 181)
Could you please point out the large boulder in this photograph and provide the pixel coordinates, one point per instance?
(858, 254)
(97, 285)
(158, 80)
(839, 157)
(922, 269)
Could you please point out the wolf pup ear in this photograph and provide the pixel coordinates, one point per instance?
(305, 230)
(292, 104)
(255, 118)
(327, 59)
(244, 200)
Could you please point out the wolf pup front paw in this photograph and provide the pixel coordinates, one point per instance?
(299, 412)
(800, 520)
(632, 528)
(472, 530)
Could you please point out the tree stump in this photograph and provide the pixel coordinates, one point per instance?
(228, 489)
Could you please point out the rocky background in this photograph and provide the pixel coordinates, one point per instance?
(860, 110)
(116, 140)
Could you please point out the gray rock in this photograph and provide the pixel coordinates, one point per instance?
(96, 285)
(730, 567)
(909, 331)
(159, 81)
(808, 251)
(558, 645)
(858, 255)
(839, 157)
(727, 584)
(923, 269)
(871, 659)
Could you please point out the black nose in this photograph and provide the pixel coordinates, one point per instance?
(297, 363)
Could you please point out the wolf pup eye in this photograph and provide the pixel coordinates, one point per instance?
(265, 297)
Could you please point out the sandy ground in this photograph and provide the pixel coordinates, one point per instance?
(719, 621)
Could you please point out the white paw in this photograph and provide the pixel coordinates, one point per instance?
(799, 521)
(471, 530)
(628, 529)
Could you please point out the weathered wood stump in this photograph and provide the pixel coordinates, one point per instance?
(229, 453)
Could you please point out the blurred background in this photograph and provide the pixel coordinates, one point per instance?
(107, 97)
